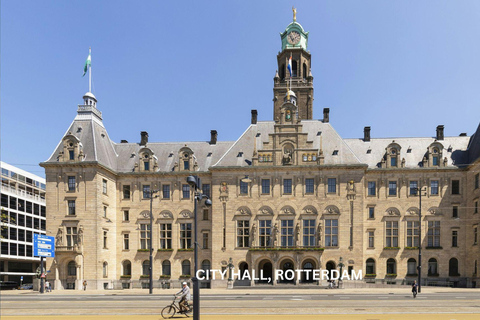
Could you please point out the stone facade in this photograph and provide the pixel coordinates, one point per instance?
(288, 194)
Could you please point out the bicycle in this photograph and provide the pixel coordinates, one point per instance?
(170, 310)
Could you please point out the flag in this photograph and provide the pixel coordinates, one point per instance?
(87, 64)
(290, 66)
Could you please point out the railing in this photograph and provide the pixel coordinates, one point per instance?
(22, 193)
(73, 249)
(86, 109)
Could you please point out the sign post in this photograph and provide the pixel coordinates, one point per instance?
(43, 246)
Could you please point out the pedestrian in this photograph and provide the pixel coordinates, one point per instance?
(84, 285)
(47, 286)
(414, 288)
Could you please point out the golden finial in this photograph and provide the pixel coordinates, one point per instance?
(294, 14)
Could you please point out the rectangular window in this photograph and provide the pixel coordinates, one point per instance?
(126, 215)
(126, 192)
(475, 206)
(165, 236)
(146, 191)
(372, 188)
(186, 165)
(126, 241)
(71, 236)
(243, 187)
(243, 233)
(433, 234)
(435, 160)
(145, 232)
(392, 188)
(331, 232)
(477, 180)
(475, 235)
(371, 239)
(264, 233)
(393, 161)
(455, 186)
(455, 212)
(185, 191)
(287, 186)
(104, 184)
(71, 183)
(166, 191)
(287, 233)
(206, 190)
(185, 235)
(146, 165)
(71, 154)
(454, 238)
(309, 186)
(104, 239)
(205, 240)
(391, 233)
(434, 187)
(265, 186)
(332, 185)
(413, 188)
(205, 214)
(71, 207)
(309, 233)
(412, 233)
(371, 212)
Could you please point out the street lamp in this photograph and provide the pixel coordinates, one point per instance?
(195, 183)
(150, 267)
(418, 191)
(341, 265)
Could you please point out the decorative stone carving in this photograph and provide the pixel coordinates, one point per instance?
(80, 236)
(243, 211)
(287, 210)
(253, 233)
(59, 237)
(145, 214)
(392, 212)
(412, 211)
(185, 214)
(309, 210)
(332, 210)
(166, 215)
(265, 211)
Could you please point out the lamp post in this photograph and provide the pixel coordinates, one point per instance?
(150, 267)
(195, 183)
(341, 265)
(418, 191)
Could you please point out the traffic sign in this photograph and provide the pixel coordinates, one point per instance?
(43, 246)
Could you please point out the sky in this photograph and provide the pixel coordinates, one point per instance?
(178, 69)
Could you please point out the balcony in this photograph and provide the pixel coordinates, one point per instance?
(22, 194)
(68, 249)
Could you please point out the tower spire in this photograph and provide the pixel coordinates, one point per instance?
(90, 70)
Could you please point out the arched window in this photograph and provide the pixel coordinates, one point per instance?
(411, 267)
(243, 267)
(304, 71)
(127, 268)
(186, 267)
(453, 267)
(166, 268)
(72, 268)
(432, 267)
(105, 269)
(206, 266)
(294, 68)
(146, 268)
(391, 266)
(370, 266)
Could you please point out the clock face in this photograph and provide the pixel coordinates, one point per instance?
(293, 37)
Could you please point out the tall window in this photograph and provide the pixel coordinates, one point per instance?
(146, 165)
(165, 236)
(126, 192)
(309, 233)
(412, 233)
(126, 241)
(104, 239)
(186, 165)
(455, 212)
(205, 240)
(412, 266)
(371, 239)
(475, 235)
(71, 236)
(206, 190)
(185, 235)
(146, 268)
(71, 207)
(332, 185)
(435, 160)
(475, 206)
(432, 267)
(166, 191)
(287, 233)
(391, 266)
(126, 215)
(331, 232)
(166, 268)
(453, 267)
(434, 233)
(71, 183)
(434, 187)
(265, 186)
(104, 186)
(243, 233)
(455, 186)
(146, 191)
(370, 266)
(392, 188)
(477, 180)
(309, 186)
(145, 236)
(265, 231)
(413, 188)
(371, 212)
(243, 187)
(105, 269)
(454, 238)
(127, 268)
(287, 186)
(391, 233)
(372, 188)
(185, 191)
(71, 154)
(393, 161)
(72, 268)
(205, 214)
(185, 267)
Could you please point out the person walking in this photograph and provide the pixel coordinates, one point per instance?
(184, 293)
(414, 288)
(84, 285)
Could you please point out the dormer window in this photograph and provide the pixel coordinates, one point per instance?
(435, 151)
(392, 155)
(147, 160)
(435, 160)
(186, 161)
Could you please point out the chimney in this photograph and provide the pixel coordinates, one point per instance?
(326, 112)
(144, 139)
(463, 134)
(254, 116)
(213, 136)
(440, 132)
(123, 141)
(366, 134)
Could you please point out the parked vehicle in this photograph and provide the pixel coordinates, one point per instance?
(26, 286)
(8, 285)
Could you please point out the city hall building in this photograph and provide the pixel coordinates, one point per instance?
(289, 193)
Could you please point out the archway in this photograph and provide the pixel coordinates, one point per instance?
(265, 266)
(287, 265)
(330, 266)
(307, 265)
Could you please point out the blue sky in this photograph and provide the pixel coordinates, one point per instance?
(179, 69)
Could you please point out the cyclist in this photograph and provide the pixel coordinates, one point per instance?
(184, 293)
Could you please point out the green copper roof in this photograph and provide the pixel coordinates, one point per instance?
(294, 26)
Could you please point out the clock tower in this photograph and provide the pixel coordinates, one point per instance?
(294, 75)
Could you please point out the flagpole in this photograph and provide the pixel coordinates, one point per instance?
(90, 71)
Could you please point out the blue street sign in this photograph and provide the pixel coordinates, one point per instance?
(43, 246)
